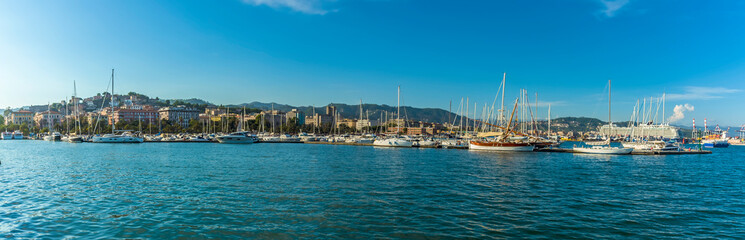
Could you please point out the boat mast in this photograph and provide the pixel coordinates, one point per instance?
(610, 122)
(663, 109)
(549, 119)
(360, 115)
(501, 109)
(398, 110)
(49, 117)
(113, 124)
(77, 113)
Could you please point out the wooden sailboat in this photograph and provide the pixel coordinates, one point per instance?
(503, 143)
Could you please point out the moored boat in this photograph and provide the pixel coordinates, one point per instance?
(125, 137)
(392, 142)
(237, 138)
(501, 146)
(603, 147)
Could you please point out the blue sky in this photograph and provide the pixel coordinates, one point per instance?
(319, 51)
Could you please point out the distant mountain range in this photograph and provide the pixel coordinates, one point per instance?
(370, 111)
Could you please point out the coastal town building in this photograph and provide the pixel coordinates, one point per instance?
(20, 117)
(91, 117)
(411, 130)
(350, 123)
(273, 117)
(179, 114)
(45, 118)
(318, 119)
(363, 123)
(214, 111)
(131, 115)
(330, 110)
(295, 114)
(37, 108)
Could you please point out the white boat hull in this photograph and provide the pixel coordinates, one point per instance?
(12, 136)
(235, 139)
(603, 150)
(392, 143)
(117, 139)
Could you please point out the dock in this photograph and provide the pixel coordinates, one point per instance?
(635, 152)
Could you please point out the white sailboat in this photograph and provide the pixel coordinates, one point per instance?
(125, 137)
(75, 138)
(605, 148)
(395, 141)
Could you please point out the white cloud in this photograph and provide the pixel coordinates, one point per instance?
(303, 6)
(702, 93)
(612, 6)
(678, 112)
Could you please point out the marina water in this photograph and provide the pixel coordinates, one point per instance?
(192, 190)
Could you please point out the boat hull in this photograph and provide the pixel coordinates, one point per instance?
(117, 139)
(500, 147)
(12, 136)
(235, 140)
(74, 139)
(716, 144)
(392, 143)
(603, 150)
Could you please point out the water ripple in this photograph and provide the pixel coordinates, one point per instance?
(288, 191)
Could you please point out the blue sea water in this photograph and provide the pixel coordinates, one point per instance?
(279, 191)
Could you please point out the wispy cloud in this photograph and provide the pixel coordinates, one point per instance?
(702, 93)
(303, 6)
(612, 6)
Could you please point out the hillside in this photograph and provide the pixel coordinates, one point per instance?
(372, 110)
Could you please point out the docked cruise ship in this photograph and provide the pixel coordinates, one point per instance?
(643, 131)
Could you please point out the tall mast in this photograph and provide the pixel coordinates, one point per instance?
(549, 119)
(610, 122)
(49, 116)
(501, 109)
(360, 121)
(398, 111)
(113, 125)
(663, 108)
(467, 111)
(77, 113)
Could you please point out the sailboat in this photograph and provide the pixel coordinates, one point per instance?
(125, 137)
(76, 138)
(395, 141)
(503, 143)
(604, 147)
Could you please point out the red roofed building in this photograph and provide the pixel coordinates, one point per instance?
(46, 118)
(132, 115)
